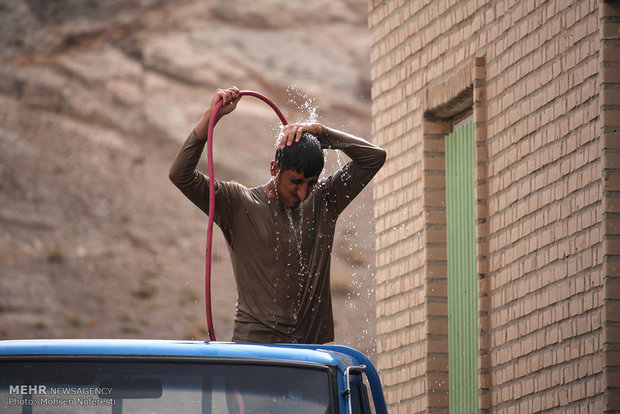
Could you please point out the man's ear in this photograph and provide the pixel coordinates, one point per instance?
(274, 168)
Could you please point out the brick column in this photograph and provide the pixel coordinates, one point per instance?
(610, 134)
(435, 264)
(482, 233)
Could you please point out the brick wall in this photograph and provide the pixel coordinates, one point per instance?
(610, 137)
(547, 176)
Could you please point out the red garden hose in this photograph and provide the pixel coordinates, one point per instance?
(212, 200)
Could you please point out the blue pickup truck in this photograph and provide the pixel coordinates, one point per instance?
(184, 377)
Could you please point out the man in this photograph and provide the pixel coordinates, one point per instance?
(280, 234)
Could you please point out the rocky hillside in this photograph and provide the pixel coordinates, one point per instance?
(95, 99)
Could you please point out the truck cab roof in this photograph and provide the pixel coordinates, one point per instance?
(167, 362)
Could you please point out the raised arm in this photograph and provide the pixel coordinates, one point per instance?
(183, 172)
(362, 153)
(230, 98)
(346, 183)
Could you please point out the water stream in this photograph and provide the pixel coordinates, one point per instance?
(357, 290)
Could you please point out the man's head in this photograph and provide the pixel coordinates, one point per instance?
(296, 169)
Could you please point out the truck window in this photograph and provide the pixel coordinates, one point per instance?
(360, 403)
(146, 387)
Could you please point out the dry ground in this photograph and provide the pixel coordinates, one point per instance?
(94, 102)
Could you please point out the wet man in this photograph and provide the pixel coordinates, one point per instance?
(280, 234)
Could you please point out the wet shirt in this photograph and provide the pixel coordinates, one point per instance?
(280, 256)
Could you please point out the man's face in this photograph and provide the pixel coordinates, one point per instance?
(293, 187)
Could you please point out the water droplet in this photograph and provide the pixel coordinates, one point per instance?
(304, 104)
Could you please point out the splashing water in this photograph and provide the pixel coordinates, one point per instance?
(277, 248)
(308, 110)
(360, 292)
(297, 230)
(295, 220)
(304, 104)
(340, 159)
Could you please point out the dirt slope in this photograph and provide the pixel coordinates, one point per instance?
(95, 98)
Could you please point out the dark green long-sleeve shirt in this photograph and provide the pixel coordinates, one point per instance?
(281, 257)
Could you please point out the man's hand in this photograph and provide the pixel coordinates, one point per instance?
(229, 97)
(292, 133)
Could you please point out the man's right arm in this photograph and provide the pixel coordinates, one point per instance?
(184, 175)
(183, 172)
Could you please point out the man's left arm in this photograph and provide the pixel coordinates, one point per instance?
(366, 160)
(364, 155)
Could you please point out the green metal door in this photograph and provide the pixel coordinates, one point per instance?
(462, 270)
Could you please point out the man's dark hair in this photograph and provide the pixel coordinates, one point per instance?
(305, 155)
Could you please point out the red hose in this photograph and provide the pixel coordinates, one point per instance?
(212, 200)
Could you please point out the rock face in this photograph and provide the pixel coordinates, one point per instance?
(96, 97)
